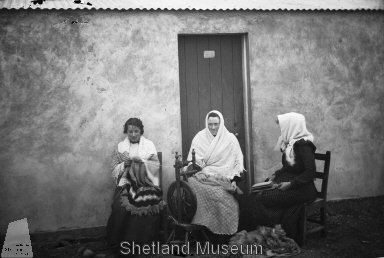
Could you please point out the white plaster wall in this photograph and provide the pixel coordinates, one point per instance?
(70, 79)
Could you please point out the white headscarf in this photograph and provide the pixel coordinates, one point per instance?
(220, 154)
(293, 128)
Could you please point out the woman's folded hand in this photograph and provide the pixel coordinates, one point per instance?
(201, 176)
(284, 186)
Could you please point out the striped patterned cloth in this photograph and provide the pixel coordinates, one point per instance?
(139, 195)
(217, 208)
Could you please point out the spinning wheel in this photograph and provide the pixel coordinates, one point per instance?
(183, 206)
(182, 203)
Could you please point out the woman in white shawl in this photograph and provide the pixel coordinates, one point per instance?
(219, 156)
(138, 198)
(294, 181)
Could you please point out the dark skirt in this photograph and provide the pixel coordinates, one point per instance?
(272, 207)
(123, 226)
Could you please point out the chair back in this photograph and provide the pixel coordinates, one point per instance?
(324, 174)
(160, 157)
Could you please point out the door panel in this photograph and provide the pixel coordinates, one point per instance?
(227, 83)
(210, 83)
(215, 74)
(203, 80)
(192, 88)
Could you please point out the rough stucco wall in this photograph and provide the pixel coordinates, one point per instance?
(330, 67)
(66, 91)
(69, 80)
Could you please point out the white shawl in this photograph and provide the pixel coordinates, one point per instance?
(293, 128)
(145, 152)
(146, 147)
(220, 154)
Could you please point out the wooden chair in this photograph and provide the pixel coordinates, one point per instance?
(160, 157)
(182, 204)
(319, 204)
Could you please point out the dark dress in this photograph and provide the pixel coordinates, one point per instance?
(124, 226)
(272, 207)
(136, 207)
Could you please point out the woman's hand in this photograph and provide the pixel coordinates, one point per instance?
(271, 178)
(284, 186)
(136, 158)
(127, 163)
(201, 176)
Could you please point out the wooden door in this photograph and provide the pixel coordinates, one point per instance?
(210, 78)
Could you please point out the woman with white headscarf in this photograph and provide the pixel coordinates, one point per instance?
(293, 182)
(219, 156)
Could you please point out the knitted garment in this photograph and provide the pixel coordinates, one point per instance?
(139, 195)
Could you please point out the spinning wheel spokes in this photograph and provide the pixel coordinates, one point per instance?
(188, 201)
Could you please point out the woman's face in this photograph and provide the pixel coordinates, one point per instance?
(213, 125)
(133, 133)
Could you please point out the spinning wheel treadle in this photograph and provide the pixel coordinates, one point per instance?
(188, 203)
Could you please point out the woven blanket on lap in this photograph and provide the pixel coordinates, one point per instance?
(140, 196)
(217, 209)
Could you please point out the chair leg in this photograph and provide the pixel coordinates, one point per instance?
(171, 237)
(186, 238)
(303, 227)
(165, 224)
(205, 235)
(323, 218)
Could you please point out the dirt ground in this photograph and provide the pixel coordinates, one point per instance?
(355, 229)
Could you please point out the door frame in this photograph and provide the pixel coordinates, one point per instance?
(247, 110)
(246, 99)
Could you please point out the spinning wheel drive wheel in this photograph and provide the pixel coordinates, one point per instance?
(188, 201)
